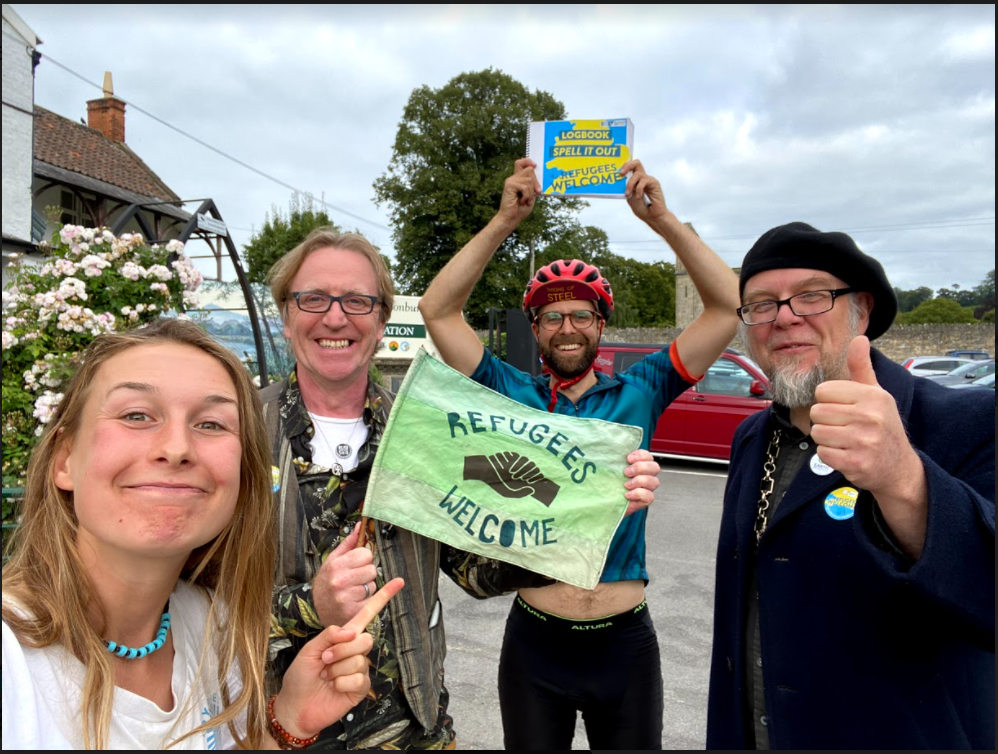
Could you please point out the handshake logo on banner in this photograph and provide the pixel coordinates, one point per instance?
(511, 475)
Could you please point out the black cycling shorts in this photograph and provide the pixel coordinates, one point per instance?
(608, 669)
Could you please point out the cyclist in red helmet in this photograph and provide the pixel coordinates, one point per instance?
(564, 647)
(571, 361)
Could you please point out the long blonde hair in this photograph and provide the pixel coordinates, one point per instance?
(45, 575)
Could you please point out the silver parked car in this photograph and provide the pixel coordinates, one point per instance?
(965, 374)
(982, 383)
(924, 366)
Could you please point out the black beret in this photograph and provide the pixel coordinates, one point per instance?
(800, 245)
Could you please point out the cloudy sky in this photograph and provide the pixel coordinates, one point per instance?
(875, 120)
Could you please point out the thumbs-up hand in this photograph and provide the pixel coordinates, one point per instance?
(858, 430)
(858, 360)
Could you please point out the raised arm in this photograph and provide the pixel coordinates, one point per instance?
(707, 336)
(444, 300)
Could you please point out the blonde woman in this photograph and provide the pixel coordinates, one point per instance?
(136, 600)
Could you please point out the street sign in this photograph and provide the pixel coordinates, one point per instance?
(406, 331)
(210, 224)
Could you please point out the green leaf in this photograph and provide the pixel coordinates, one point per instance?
(308, 615)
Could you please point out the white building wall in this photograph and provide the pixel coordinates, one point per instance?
(18, 119)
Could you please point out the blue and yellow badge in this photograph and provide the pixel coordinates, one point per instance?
(841, 504)
(275, 479)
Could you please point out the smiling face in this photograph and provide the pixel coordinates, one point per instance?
(567, 351)
(154, 466)
(799, 353)
(333, 350)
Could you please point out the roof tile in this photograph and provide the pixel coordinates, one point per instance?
(81, 149)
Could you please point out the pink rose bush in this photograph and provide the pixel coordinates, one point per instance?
(91, 282)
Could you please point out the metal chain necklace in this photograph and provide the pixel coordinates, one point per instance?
(768, 482)
(343, 450)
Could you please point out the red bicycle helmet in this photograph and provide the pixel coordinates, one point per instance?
(566, 280)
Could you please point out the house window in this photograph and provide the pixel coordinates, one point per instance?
(73, 210)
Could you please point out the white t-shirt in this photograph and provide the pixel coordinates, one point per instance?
(330, 435)
(42, 690)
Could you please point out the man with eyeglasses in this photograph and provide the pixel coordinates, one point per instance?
(855, 595)
(566, 649)
(325, 421)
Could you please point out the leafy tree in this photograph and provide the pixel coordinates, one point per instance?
(938, 310)
(908, 300)
(989, 317)
(644, 293)
(962, 297)
(454, 148)
(280, 234)
(980, 298)
(986, 293)
(987, 287)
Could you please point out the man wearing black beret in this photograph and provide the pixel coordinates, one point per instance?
(855, 599)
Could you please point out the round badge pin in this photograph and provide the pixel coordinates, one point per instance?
(841, 504)
(820, 468)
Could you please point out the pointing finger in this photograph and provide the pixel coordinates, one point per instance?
(375, 605)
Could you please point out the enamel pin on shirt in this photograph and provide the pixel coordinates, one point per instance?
(841, 504)
(819, 467)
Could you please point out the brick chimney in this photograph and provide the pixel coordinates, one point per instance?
(107, 114)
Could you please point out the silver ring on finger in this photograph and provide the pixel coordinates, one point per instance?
(367, 591)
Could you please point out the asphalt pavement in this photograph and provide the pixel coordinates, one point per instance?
(681, 540)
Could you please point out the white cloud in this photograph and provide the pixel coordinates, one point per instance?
(845, 117)
(975, 43)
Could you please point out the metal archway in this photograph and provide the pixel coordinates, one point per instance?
(207, 224)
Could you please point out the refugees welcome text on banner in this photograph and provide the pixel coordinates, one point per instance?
(469, 467)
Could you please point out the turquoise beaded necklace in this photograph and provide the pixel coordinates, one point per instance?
(128, 653)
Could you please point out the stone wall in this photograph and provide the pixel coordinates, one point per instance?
(641, 334)
(688, 303)
(902, 341)
(898, 343)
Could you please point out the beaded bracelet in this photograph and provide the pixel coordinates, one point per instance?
(284, 739)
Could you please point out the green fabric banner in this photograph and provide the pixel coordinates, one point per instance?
(466, 466)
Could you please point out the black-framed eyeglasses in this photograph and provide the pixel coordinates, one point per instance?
(582, 319)
(803, 305)
(316, 302)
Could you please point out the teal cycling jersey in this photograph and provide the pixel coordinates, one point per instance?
(637, 397)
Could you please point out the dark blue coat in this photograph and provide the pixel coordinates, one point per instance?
(861, 648)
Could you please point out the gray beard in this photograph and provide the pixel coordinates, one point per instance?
(795, 389)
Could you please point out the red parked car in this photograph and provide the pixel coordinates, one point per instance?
(701, 422)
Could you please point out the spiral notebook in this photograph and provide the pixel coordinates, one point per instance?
(581, 157)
